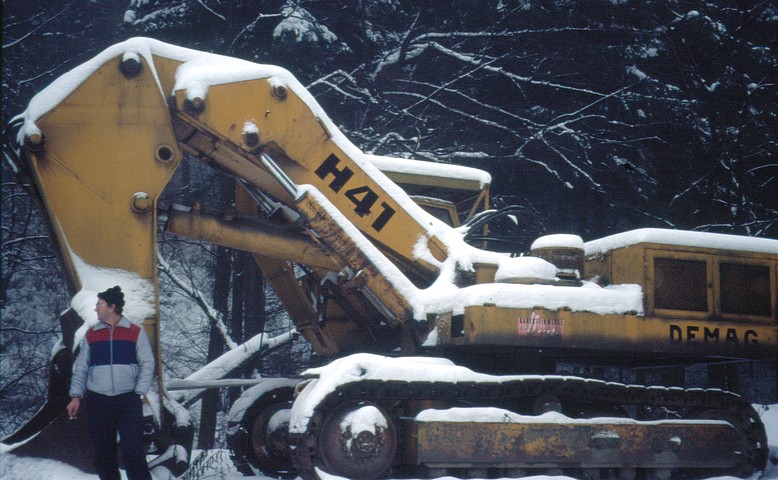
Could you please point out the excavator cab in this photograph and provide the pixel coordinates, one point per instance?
(451, 193)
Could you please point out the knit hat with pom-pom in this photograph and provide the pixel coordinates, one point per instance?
(113, 296)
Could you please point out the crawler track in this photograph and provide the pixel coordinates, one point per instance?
(575, 397)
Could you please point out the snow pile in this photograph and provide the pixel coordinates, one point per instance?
(525, 268)
(363, 419)
(558, 240)
(430, 169)
(302, 27)
(682, 238)
(18, 468)
(138, 292)
(590, 297)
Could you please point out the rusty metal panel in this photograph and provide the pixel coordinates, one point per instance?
(490, 325)
(586, 445)
(396, 306)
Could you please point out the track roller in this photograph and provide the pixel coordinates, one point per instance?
(358, 440)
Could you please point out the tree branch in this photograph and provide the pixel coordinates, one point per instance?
(195, 294)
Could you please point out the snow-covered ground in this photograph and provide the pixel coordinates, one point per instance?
(216, 464)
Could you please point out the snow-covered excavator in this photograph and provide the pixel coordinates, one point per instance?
(438, 355)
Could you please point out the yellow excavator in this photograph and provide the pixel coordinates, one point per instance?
(438, 355)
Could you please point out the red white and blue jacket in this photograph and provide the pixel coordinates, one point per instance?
(113, 361)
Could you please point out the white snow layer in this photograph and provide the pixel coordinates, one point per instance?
(682, 238)
(429, 169)
(139, 301)
(360, 367)
(558, 240)
(138, 292)
(499, 415)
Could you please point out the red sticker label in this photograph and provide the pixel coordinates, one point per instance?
(537, 326)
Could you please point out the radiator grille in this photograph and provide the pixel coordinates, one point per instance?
(680, 284)
(745, 289)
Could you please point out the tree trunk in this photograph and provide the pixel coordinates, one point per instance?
(210, 401)
(254, 312)
(248, 307)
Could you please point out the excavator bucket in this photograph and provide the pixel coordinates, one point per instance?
(42, 435)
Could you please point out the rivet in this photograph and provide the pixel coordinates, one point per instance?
(164, 154)
(251, 139)
(279, 91)
(130, 66)
(194, 106)
(141, 202)
(35, 142)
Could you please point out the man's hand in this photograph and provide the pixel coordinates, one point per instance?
(73, 406)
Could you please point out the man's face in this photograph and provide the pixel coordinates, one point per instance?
(102, 309)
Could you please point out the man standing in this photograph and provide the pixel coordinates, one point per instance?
(114, 369)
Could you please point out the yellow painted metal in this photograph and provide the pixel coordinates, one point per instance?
(100, 150)
(459, 185)
(468, 196)
(389, 301)
(708, 331)
(251, 237)
(281, 276)
(635, 264)
(111, 147)
(299, 142)
(108, 142)
(485, 272)
(331, 330)
(603, 443)
(101, 172)
(490, 325)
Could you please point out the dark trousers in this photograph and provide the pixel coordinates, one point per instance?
(123, 414)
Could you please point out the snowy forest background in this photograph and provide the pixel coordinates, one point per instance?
(596, 116)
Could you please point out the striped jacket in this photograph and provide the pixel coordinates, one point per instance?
(113, 361)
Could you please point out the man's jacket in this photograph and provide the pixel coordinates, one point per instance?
(113, 361)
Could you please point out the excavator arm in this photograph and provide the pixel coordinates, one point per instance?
(132, 112)
(100, 144)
